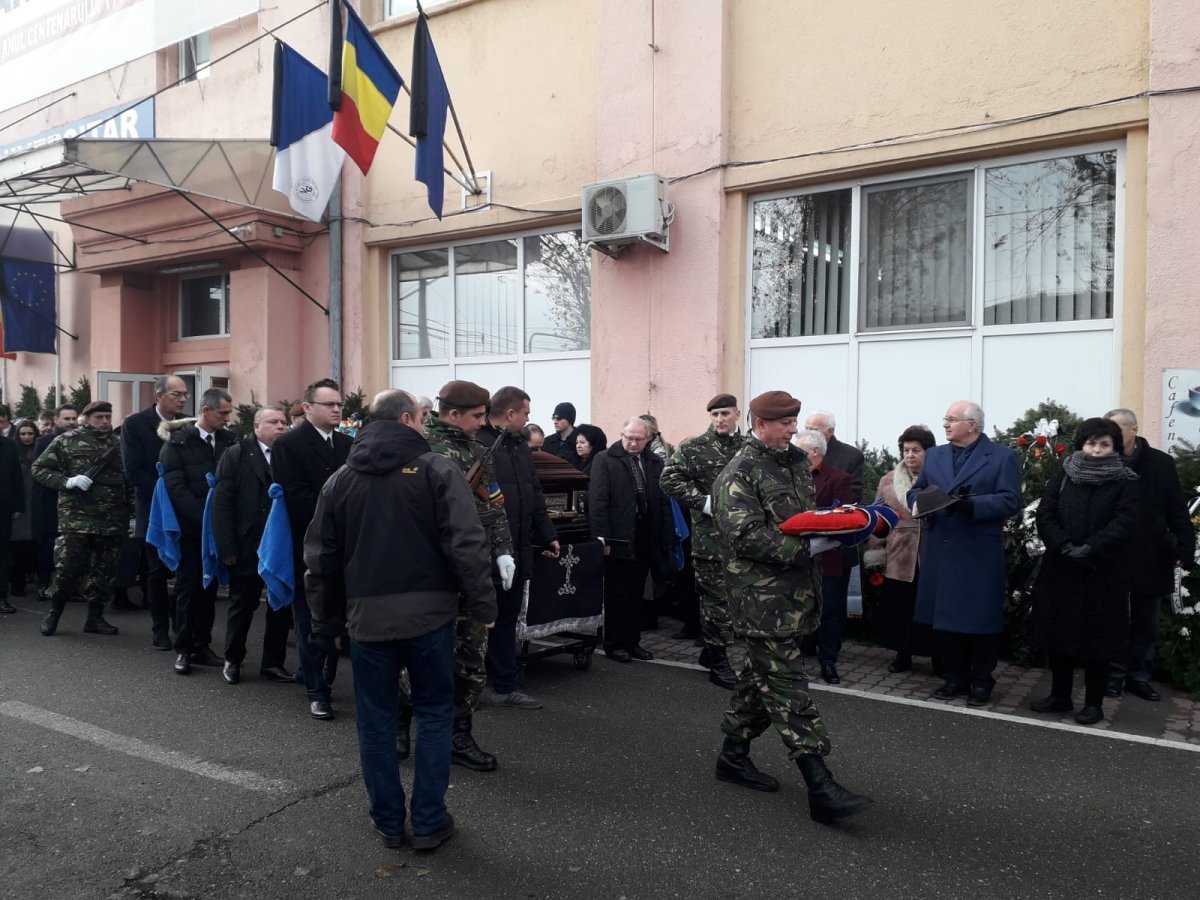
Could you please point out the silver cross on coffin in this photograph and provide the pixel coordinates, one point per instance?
(568, 561)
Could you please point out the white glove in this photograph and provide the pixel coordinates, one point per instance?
(820, 544)
(707, 505)
(507, 569)
(79, 483)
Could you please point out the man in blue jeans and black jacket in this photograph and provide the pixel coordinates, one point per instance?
(394, 550)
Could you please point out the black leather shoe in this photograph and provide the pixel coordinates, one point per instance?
(465, 752)
(829, 675)
(391, 841)
(183, 664)
(979, 695)
(828, 800)
(720, 672)
(734, 766)
(902, 663)
(232, 673)
(950, 690)
(50, 623)
(205, 657)
(161, 641)
(320, 709)
(618, 655)
(277, 673)
(6, 607)
(1052, 704)
(97, 625)
(640, 652)
(1089, 715)
(1114, 685)
(423, 843)
(1143, 689)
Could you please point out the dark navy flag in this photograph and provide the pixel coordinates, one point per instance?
(427, 121)
(27, 305)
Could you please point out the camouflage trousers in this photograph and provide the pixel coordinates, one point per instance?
(772, 689)
(470, 675)
(85, 566)
(715, 623)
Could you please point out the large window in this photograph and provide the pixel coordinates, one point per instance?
(204, 306)
(1002, 243)
(501, 298)
(800, 281)
(1049, 229)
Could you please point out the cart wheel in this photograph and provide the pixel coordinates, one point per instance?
(583, 660)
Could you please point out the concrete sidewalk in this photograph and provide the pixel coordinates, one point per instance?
(863, 667)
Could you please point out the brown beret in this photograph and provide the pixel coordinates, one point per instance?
(463, 395)
(97, 406)
(774, 405)
(722, 401)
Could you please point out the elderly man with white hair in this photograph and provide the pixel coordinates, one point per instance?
(842, 456)
(631, 515)
(962, 586)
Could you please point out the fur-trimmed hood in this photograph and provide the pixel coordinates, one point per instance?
(165, 428)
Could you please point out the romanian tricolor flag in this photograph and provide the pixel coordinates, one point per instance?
(370, 86)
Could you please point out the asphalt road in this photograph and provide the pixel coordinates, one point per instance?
(120, 779)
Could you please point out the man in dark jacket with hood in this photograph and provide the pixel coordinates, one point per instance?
(394, 542)
(528, 524)
(632, 516)
(190, 453)
(562, 442)
(1164, 539)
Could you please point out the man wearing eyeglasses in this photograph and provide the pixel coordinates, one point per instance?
(962, 585)
(140, 448)
(302, 459)
(631, 515)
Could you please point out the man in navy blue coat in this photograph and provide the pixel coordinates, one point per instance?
(962, 585)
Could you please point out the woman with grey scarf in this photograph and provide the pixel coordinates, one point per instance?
(1080, 605)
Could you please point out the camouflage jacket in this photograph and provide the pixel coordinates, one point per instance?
(774, 585)
(451, 441)
(108, 505)
(689, 476)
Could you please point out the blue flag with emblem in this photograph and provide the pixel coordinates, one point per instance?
(162, 532)
(27, 306)
(275, 561)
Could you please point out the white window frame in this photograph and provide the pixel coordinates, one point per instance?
(453, 359)
(223, 311)
(394, 9)
(976, 331)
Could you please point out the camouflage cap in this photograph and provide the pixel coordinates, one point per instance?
(463, 395)
(97, 406)
(722, 401)
(774, 405)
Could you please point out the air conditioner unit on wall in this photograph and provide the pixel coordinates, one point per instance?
(625, 211)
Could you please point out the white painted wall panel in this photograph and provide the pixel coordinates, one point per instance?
(909, 382)
(548, 382)
(817, 374)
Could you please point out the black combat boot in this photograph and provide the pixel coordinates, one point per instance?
(465, 752)
(50, 623)
(828, 800)
(404, 717)
(735, 766)
(720, 672)
(95, 623)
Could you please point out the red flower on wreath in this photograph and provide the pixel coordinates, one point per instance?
(1060, 449)
(875, 579)
(1023, 441)
(1041, 440)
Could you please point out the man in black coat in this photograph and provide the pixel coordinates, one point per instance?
(529, 525)
(140, 449)
(302, 461)
(1164, 539)
(191, 451)
(562, 442)
(631, 515)
(842, 456)
(241, 504)
(12, 504)
(45, 502)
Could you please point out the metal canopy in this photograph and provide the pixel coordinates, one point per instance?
(234, 171)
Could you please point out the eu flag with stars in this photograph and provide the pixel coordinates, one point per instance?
(27, 305)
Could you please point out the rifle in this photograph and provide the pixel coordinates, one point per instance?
(478, 468)
(102, 463)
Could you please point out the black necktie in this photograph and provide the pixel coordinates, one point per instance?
(212, 447)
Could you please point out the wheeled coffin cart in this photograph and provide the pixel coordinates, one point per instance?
(563, 607)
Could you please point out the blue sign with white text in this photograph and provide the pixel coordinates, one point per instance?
(117, 123)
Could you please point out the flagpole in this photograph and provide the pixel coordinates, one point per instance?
(457, 127)
(462, 184)
(57, 345)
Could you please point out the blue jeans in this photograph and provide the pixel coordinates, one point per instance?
(312, 665)
(377, 665)
(834, 589)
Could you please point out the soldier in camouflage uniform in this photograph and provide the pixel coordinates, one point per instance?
(462, 411)
(775, 599)
(688, 477)
(94, 506)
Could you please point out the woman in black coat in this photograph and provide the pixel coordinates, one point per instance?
(1080, 605)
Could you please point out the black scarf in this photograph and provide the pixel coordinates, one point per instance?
(1084, 469)
(639, 483)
